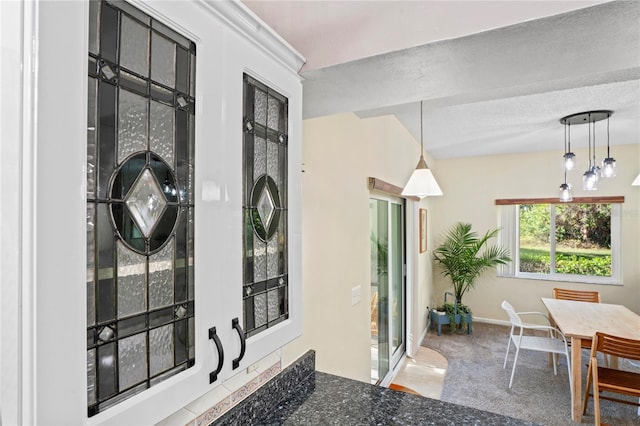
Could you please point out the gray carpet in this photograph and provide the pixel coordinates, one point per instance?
(475, 378)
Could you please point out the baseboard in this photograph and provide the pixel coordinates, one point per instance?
(491, 321)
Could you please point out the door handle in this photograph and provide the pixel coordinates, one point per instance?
(243, 345)
(213, 376)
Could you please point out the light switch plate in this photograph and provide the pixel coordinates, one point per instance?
(355, 294)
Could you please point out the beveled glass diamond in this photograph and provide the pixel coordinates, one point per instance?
(266, 207)
(146, 202)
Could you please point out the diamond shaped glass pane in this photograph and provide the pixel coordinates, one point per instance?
(146, 202)
(265, 207)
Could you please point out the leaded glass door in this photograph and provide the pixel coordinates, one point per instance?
(266, 290)
(140, 206)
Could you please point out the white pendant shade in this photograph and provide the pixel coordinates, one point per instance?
(636, 181)
(422, 183)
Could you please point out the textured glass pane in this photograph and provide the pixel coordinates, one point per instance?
(192, 76)
(132, 124)
(134, 46)
(181, 341)
(192, 338)
(182, 70)
(106, 136)
(259, 259)
(161, 132)
(91, 376)
(192, 138)
(273, 115)
(163, 60)
(91, 137)
(273, 302)
(108, 33)
(146, 202)
(94, 13)
(272, 257)
(106, 370)
(91, 261)
(260, 309)
(161, 349)
(272, 162)
(180, 288)
(132, 282)
(105, 292)
(259, 158)
(190, 278)
(132, 360)
(161, 277)
(260, 107)
(282, 244)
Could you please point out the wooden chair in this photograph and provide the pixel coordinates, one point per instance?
(609, 379)
(579, 296)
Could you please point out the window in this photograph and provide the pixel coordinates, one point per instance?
(140, 147)
(576, 241)
(265, 291)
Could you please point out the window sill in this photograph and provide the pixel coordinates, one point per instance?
(565, 278)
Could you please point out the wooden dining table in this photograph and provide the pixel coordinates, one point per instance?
(581, 320)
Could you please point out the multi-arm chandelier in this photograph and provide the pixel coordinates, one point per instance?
(592, 175)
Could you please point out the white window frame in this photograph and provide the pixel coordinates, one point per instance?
(509, 224)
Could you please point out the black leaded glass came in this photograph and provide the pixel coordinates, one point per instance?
(140, 148)
(266, 286)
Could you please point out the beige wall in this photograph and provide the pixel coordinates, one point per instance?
(471, 185)
(339, 154)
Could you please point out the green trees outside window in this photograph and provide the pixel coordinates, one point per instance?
(565, 239)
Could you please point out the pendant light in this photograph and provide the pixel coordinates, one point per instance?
(569, 157)
(422, 183)
(590, 177)
(565, 188)
(592, 174)
(609, 163)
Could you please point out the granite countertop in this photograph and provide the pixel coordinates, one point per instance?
(299, 395)
(332, 400)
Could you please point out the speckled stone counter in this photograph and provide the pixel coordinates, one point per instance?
(299, 396)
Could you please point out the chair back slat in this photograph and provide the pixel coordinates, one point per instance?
(578, 295)
(618, 346)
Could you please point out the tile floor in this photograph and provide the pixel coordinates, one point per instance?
(423, 373)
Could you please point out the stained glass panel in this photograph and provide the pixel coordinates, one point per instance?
(265, 203)
(140, 307)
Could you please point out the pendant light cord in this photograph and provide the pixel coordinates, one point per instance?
(421, 141)
(608, 155)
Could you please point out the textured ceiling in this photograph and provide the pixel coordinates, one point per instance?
(489, 85)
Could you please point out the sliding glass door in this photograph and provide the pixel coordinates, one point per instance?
(387, 285)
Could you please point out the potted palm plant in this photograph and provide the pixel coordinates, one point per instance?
(463, 257)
